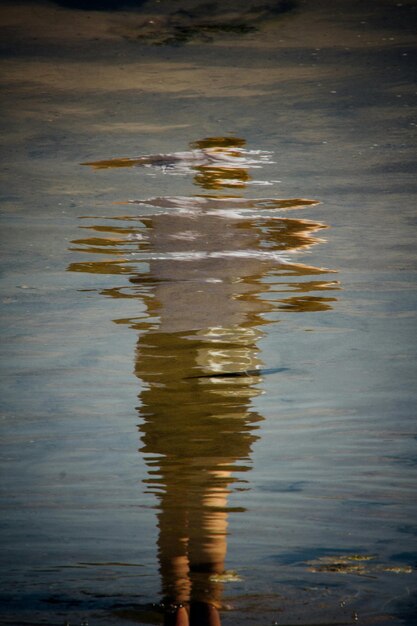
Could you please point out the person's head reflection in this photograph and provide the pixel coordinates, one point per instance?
(225, 168)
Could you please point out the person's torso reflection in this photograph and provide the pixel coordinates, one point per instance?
(207, 298)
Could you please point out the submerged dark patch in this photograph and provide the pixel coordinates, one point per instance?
(100, 5)
(243, 374)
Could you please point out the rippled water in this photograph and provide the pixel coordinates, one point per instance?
(210, 271)
(209, 316)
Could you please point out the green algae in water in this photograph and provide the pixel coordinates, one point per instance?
(359, 564)
(229, 576)
(349, 564)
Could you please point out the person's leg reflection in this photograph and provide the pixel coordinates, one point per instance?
(203, 614)
(177, 618)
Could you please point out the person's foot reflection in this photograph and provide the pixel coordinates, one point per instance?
(201, 614)
(179, 617)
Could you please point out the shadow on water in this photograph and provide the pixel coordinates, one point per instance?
(171, 23)
(210, 271)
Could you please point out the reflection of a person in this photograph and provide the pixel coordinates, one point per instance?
(198, 425)
(199, 363)
(196, 405)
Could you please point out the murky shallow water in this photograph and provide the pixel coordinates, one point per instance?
(244, 434)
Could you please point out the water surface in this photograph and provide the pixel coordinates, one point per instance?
(208, 314)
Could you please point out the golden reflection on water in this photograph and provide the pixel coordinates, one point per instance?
(211, 271)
